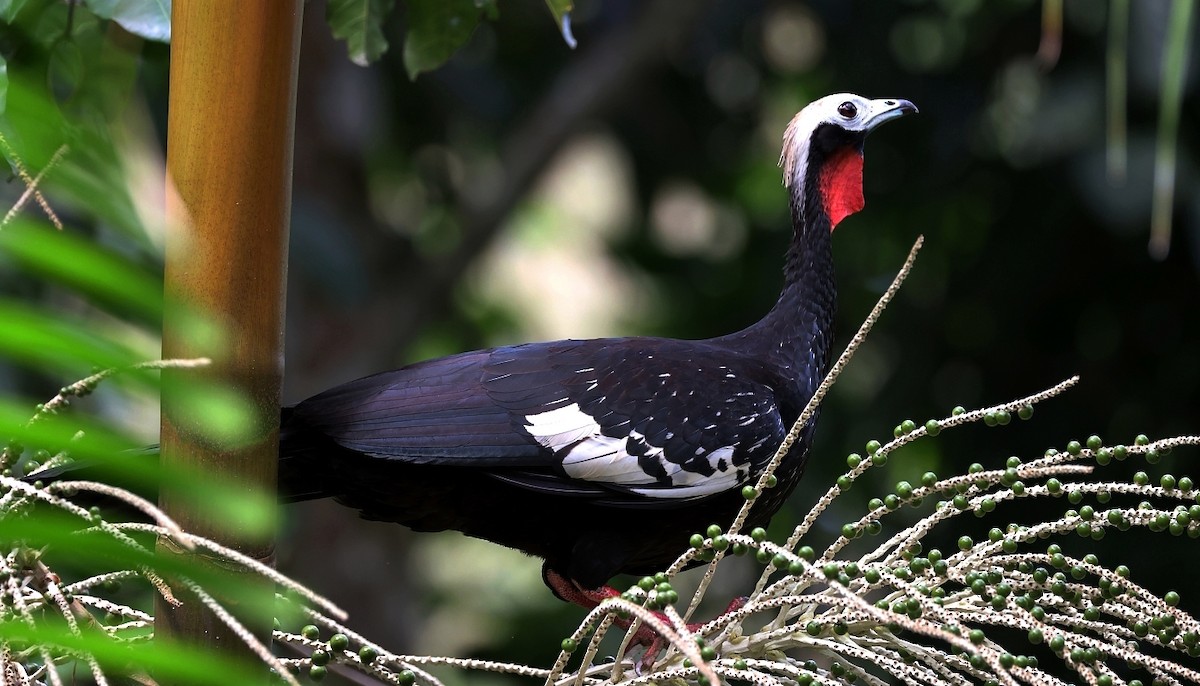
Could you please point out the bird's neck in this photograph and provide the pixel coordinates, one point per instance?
(797, 334)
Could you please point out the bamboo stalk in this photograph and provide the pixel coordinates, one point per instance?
(229, 158)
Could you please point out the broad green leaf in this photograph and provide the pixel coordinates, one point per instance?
(9, 9)
(101, 275)
(561, 10)
(436, 29)
(64, 348)
(217, 412)
(150, 19)
(360, 24)
(170, 663)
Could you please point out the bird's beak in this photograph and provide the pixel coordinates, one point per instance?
(886, 110)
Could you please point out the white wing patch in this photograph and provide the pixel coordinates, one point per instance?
(589, 455)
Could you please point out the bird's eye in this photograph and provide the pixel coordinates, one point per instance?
(847, 109)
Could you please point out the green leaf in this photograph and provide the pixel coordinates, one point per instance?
(360, 24)
(561, 10)
(63, 348)
(103, 276)
(9, 9)
(150, 19)
(169, 662)
(436, 30)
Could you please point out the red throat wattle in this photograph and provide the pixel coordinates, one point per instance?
(842, 185)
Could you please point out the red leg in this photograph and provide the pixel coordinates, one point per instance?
(572, 592)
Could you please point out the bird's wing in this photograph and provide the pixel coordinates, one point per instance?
(651, 419)
(630, 421)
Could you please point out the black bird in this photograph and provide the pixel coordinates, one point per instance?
(601, 456)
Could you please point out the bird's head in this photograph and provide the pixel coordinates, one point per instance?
(823, 147)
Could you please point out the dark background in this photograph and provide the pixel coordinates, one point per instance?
(527, 191)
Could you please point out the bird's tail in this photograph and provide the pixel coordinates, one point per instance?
(301, 476)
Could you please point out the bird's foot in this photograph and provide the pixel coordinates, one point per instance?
(645, 635)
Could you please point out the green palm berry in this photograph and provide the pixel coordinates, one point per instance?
(965, 543)
(311, 632)
(713, 531)
(989, 419)
(1036, 636)
(1103, 497)
(813, 628)
(696, 541)
(795, 568)
(1167, 481)
(891, 501)
(961, 502)
(904, 490)
(719, 542)
(806, 553)
(646, 583)
(739, 549)
(740, 664)
(844, 483)
(987, 504)
(1054, 486)
(319, 658)
(763, 556)
(932, 427)
(873, 447)
(772, 481)
(1003, 417)
(749, 492)
(1009, 546)
(1025, 411)
(976, 636)
(708, 653)
(1074, 496)
(758, 534)
(406, 677)
(569, 645)
(339, 642)
(849, 531)
(1086, 513)
(661, 577)
(317, 672)
(780, 561)
(367, 654)
(929, 479)
(872, 576)
(1172, 599)
(1185, 484)
(897, 431)
(1058, 643)
(853, 460)
(1018, 488)
(1141, 439)
(908, 426)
